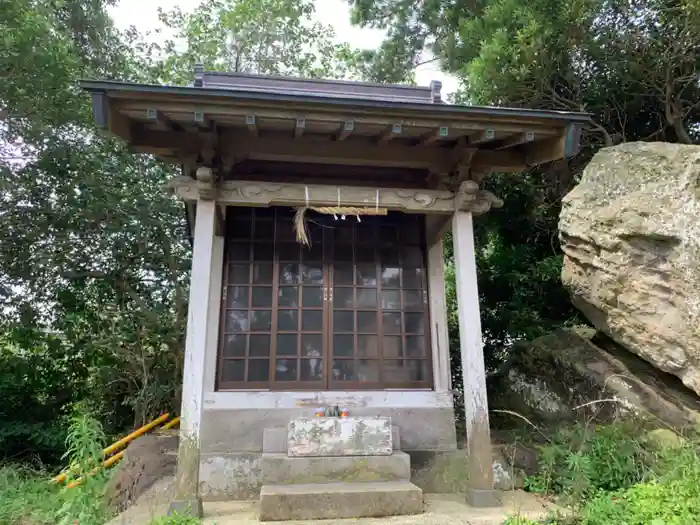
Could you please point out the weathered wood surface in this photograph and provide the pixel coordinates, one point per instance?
(252, 193)
(471, 348)
(335, 436)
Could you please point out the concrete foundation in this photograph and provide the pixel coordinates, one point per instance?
(480, 498)
(227, 431)
(280, 469)
(232, 443)
(339, 500)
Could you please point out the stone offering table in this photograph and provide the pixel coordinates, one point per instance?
(335, 436)
(336, 468)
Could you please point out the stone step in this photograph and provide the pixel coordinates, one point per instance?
(339, 500)
(276, 439)
(280, 469)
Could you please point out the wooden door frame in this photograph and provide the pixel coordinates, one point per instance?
(327, 327)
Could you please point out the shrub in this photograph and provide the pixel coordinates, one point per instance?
(84, 504)
(673, 498)
(26, 497)
(581, 461)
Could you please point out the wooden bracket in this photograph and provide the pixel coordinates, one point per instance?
(470, 198)
(206, 183)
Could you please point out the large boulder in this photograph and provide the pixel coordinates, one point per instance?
(630, 232)
(578, 375)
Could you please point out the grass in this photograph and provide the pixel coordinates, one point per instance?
(616, 474)
(27, 497)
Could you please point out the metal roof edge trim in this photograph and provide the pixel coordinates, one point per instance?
(102, 86)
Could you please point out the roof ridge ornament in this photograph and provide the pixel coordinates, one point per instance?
(198, 69)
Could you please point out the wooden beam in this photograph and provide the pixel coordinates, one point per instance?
(481, 137)
(299, 126)
(345, 130)
(201, 121)
(550, 149)
(156, 115)
(276, 147)
(184, 143)
(459, 156)
(321, 113)
(504, 161)
(432, 136)
(265, 194)
(515, 140)
(389, 133)
(120, 125)
(250, 122)
(281, 148)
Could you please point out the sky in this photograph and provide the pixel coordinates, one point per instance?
(143, 14)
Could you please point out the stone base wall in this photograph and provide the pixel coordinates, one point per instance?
(232, 440)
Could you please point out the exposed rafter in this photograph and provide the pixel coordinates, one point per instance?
(299, 126)
(481, 137)
(251, 124)
(432, 136)
(155, 115)
(345, 130)
(389, 133)
(515, 140)
(278, 147)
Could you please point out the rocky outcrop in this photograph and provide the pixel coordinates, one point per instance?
(630, 232)
(580, 375)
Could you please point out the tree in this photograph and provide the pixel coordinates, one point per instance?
(633, 65)
(94, 255)
(93, 252)
(273, 37)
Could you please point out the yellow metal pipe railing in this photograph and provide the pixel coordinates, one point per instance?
(171, 423)
(107, 463)
(119, 444)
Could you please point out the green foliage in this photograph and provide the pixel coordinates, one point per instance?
(583, 460)
(634, 65)
(84, 504)
(35, 388)
(93, 253)
(27, 496)
(274, 37)
(176, 519)
(671, 498)
(613, 474)
(610, 58)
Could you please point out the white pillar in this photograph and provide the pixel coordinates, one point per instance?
(442, 375)
(201, 280)
(480, 469)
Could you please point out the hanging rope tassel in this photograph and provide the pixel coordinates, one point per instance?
(301, 228)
